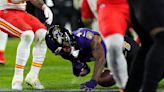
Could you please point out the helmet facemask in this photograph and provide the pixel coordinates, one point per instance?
(62, 40)
(62, 37)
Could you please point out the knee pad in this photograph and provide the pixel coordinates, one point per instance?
(40, 46)
(27, 37)
(114, 42)
(40, 34)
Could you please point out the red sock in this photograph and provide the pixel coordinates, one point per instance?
(2, 59)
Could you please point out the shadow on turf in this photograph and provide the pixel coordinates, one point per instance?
(1, 65)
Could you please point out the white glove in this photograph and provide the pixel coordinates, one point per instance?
(48, 14)
(49, 3)
(74, 52)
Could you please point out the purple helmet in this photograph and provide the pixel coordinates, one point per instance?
(55, 37)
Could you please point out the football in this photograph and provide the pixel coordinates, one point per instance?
(106, 79)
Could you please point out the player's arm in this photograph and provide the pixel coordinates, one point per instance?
(99, 55)
(47, 12)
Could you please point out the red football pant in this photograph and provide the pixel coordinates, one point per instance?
(112, 17)
(14, 22)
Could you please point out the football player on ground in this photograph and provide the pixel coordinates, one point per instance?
(15, 21)
(82, 46)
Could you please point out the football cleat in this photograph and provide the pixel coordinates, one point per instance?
(121, 90)
(2, 62)
(16, 85)
(33, 82)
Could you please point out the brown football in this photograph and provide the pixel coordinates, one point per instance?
(106, 79)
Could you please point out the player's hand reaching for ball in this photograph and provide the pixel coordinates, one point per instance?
(89, 85)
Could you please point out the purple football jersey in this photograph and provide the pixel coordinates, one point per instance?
(83, 38)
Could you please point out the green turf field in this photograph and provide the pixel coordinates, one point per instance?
(56, 73)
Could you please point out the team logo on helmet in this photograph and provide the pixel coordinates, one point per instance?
(57, 35)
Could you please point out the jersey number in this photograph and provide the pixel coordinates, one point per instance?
(86, 34)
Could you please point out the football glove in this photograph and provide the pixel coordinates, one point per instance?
(89, 85)
(78, 67)
(49, 3)
(48, 14)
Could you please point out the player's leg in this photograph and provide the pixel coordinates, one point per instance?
(116, 60)
(113, 26)
(153, 22)
(3, 41)
(23, 52)
(154, 67)
(137, 66)
(39, 52)
(16, 26)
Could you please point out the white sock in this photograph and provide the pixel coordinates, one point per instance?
(35, 69)
(3, 40)
(23, 52)
(116, 60)
(39, 52)
(18, 74)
